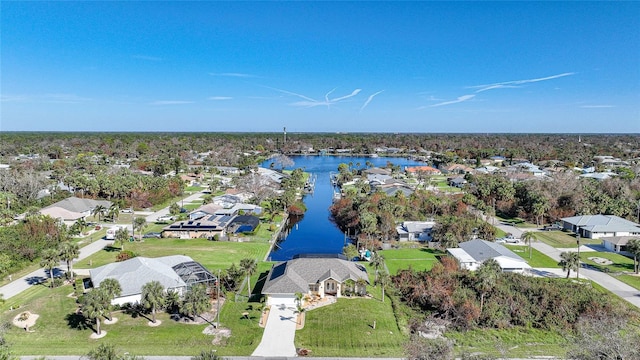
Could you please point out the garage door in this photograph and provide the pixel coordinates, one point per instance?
(278, 299)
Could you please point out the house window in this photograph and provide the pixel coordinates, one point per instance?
(314, 287)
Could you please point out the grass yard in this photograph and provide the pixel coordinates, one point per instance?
(630, 279)
(515, 342)
(620, 263)
(419, 259)
(345, 329)
(59, 331)
(561, 239)
(211, 254)
(538, 259)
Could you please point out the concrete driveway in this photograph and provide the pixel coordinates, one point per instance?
(279, 333)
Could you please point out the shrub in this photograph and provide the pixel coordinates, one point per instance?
(125, 255)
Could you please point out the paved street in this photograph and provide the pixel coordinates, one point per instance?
(21, 284)
(608, 282)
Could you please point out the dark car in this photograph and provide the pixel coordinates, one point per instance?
(152, 235)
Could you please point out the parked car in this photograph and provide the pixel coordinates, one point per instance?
(127, 211)
(148, 235)
(165, 219)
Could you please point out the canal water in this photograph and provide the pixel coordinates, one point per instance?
(314, 232)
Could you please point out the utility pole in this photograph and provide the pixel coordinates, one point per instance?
(218, 300)
(578, 241)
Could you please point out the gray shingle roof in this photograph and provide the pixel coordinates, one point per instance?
(482, 250)
(602, 223)
(78, 205)
(295, 275)
(132, 274)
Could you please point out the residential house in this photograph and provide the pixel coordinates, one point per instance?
(377, 171)
(415, 230)
(208, 226)
(313, 275)
(73, 208)
(176, 273)
(600, 176)
(243, 224)
(458, 182)
(471, 254)
(600, 226)
(617, 243)
(427, 170)
(456, 169)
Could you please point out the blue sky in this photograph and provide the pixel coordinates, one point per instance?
(321, 66)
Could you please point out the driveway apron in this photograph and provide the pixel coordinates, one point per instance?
(279, 333)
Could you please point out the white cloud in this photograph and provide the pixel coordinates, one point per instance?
(310, 102)
(220, 98)
(369, 100)
(510, 84)
(171, 102)
(458, 100)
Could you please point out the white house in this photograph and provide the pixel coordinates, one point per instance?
(415, 230)
(471, 254)
(176, 273)
(599, 226)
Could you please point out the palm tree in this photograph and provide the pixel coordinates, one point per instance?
(69, 251)
(122, 236)
(172, 300)
(570, 261)
(377, 261)
(384, 280)
(139, 224)
(633, 246)
(248, 266)
(113, 212)
(94, 304)
(488, 274)
(299, 297)
(111, 289)
(153, 297)
(99, 210)
(528, 237)
(49, 260)
(195, 301)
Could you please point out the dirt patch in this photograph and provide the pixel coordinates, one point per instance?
(25, 320)
(600, 261)
(219, 334)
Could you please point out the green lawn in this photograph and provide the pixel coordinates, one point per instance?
(620, 263)
(420, 258)
(345, 329)
(211, 254)
(59, 331)
(561, 239)
(516, 342)
(538, 259)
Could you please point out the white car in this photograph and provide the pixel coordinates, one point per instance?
(165, 218)
(127, 211)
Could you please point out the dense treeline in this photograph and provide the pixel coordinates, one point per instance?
(375, 215)
(569, 148)
(489, 298)
(564, 194)
(25, 241)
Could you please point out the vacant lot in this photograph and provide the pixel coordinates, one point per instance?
(537, 260)
(211, 254)
(561, 239)
(419, 258)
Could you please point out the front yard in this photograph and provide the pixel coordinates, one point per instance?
(538, 259)
(561, 239)
(419, 258)
(620, 266)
